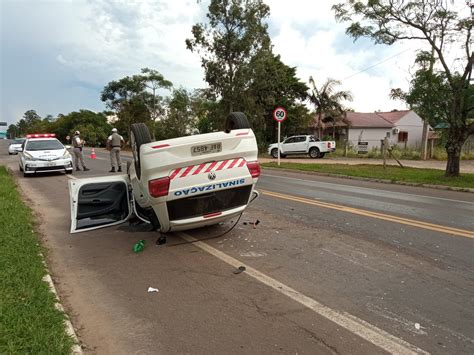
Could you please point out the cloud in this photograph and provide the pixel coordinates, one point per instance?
(56, 56)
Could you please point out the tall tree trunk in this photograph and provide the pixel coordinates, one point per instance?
(319, 125)
(453, 148)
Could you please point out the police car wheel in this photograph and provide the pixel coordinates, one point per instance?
(140, 135)
(236, 120)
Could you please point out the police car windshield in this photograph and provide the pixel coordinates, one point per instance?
(50, 144)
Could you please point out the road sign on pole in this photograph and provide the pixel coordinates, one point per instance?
(279, 115)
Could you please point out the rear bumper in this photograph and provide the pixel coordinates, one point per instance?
(203, 210)
(203, 221)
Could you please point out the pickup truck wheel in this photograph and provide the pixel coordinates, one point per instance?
(236, 120)
(321, 155)
(140, 135)
(314, 153)
(275, 153)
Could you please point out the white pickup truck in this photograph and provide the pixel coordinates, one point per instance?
(310, 145)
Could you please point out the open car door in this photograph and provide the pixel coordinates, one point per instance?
(99, 202)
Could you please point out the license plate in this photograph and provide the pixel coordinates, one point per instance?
(206, 149)
(50, 163)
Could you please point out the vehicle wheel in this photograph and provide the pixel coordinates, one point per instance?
(236, 120)
(68, 171)
(282, 155)
(19, 166)
(314, 153)
(275, 153)
(26, 175)
(140, 135)
(321, 155)
(10, 153)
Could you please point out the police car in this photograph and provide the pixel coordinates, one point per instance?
(176, 184)
(42, 153)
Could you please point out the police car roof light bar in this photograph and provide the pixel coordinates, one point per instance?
(41, 135)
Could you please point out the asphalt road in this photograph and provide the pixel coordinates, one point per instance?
(333, 266)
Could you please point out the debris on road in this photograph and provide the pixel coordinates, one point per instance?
(254, 224)
(417, 326)
(161, 240)
(239, 270)
(138, 247)
(152, 289)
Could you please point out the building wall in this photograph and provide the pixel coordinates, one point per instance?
(413, 124)
(371, 135)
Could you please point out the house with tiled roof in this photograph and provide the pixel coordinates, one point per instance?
(403, 128)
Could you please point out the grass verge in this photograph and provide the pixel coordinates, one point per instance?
(29, 320)
(392, 173)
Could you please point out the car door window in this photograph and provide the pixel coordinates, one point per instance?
(289, 140)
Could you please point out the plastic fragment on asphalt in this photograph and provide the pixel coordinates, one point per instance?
(152, 289)
(239, 270)
(417, 326)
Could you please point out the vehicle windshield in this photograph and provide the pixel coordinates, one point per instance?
(18, 141)
(50, 144)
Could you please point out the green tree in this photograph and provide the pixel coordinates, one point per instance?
(135, 98)
(93, 126)
(328, 103)
(13, 131)
(443, 29)
(179, 120)
(31, 117)
(274, 84)
(427, 92)
(234, 33)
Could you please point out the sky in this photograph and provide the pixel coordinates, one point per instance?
(57, 55)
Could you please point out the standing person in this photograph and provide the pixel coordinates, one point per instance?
(114, 142)
(78, 144)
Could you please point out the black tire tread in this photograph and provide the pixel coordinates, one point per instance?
(236, 120)
(142, 135)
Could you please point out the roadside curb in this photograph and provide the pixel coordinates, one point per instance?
(438, 187)
(76, 348)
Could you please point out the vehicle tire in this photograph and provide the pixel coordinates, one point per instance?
(26, 175)
(68, 171)
(321, 155)
(282, 155)
(140, 135)
(274, 153)
(10, 153)
(314, 153)
(236, 120)
(19, 166)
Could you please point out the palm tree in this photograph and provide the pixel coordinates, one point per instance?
(327, 101)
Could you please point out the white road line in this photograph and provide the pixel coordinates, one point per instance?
(367, 331)
(320, 183)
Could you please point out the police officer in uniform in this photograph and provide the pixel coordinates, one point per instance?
(78, 144)
(114, 143)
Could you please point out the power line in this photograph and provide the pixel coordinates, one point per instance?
(378, 63)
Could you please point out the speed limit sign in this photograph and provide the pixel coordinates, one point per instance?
(279, 114)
